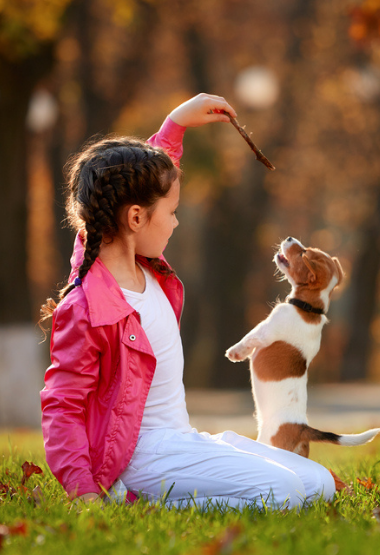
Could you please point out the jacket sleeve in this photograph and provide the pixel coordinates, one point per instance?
(69, 381)
(170, 137)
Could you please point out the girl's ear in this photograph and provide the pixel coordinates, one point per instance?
(133, 217)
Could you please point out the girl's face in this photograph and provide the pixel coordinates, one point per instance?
(154, 234)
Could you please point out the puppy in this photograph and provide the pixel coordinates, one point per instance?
(282, 347)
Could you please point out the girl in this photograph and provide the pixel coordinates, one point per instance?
(113, 408)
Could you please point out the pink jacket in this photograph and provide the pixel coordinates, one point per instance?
(102, 368)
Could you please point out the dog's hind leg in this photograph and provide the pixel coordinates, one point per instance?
(303, 448)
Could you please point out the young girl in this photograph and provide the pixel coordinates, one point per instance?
(113, 408)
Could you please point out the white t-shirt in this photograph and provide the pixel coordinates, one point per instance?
(165, 405)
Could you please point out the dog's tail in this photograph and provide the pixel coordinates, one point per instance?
(341, 439)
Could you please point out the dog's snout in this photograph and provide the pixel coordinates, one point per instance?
(289, 243)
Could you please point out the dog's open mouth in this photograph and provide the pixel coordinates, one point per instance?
(282, 259)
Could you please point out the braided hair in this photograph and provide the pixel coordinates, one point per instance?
(105, 176)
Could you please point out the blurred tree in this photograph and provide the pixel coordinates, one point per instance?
(364, 30)
(27, 34)
(122, 65)
(364, 285)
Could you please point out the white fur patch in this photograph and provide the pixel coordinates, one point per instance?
(277, 403)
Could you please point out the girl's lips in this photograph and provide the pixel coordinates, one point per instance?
(283, 260)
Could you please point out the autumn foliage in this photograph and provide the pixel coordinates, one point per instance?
(115, 65)
(28, 469)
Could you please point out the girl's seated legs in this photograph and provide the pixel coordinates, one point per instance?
(224, 468)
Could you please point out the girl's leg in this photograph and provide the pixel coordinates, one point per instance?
(184, 464)
(316, 479)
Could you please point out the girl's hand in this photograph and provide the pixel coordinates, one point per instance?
(202, 109)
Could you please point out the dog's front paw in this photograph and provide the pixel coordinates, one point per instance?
(237, 353)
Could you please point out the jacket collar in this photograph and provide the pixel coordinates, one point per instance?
(106, 302)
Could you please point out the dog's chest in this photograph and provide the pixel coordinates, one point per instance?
(279, 368)
(289, 344)
(279, 383)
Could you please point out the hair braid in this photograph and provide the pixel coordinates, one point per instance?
(97, 216)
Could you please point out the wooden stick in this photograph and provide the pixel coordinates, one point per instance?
(259, 155)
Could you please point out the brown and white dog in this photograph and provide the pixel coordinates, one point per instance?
(282, 347)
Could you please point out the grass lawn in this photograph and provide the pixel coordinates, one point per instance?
(350, 525)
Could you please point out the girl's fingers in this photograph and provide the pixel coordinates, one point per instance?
(218, 104)
(218, 115)
(202, 109)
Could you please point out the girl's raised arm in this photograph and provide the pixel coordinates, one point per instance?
(199, 110)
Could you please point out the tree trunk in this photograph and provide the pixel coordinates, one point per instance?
(18, 81)
(364, 292)
(22, 360)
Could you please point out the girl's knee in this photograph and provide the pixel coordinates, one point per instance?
(297, 493)
(289, 492)
(325, 487)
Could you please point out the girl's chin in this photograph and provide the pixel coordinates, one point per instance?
(150, 254)
(147, 253)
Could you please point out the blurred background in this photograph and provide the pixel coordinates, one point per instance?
(304, 78)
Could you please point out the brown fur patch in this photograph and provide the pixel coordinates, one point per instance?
(309, 317)
(339, 484)
(290, 437)
(279, 361)
(312, 268)
(296, 438)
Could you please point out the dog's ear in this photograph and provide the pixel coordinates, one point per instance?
(310, 266)
(339, 269)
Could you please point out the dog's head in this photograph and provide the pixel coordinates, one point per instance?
(308, 266)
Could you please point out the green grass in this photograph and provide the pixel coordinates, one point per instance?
(347, 526)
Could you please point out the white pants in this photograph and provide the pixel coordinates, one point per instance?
(224, 468)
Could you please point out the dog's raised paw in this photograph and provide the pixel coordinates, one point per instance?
(234, 354)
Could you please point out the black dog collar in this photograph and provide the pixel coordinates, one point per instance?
(306, 307)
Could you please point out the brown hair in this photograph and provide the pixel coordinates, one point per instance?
(104, 176)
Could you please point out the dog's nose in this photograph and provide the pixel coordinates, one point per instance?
(290, 239)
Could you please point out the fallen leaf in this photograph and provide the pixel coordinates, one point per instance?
(22, 489)
(63, 528)
(367, 483)
(6, 488)
(224, 543)
(339, 484)
(19, 529)
(29, 468)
